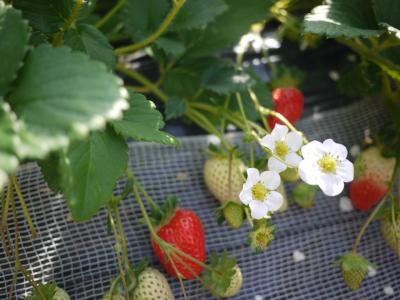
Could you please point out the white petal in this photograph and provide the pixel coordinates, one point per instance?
(293, 159)
(335, 149)
(345, 170)
(313, 150)
(258, 209)
(276, 165)
(253, 176)
(245, 195)
(294, 141)
(330, 184)
(270, 179)
(279, 132)
(308, 171)
(274, 201)
(268, 141)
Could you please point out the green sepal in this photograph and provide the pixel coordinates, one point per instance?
(303, 194)
(219, 277)
(287, 77)
(354, 262)
(160, 215)
(388, 140)
(267, 230)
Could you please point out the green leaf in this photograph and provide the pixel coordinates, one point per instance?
(343, 18)
(142, 18)
(353, 82)
(48, 290)
(48, 16)
(220, 276)
(171, 45)
(61, 95)
(9, 143)
(14, 37)
(90, 169)
(87, 38)
(223, 78)
(387, 12)
(264, 96)
(197, 13)
(143, 122)
(50, 167)
(175, 108)
(226, 30)
(181, 81)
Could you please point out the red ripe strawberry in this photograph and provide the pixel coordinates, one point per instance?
(366, 192)
(372, 176)
(288, 101)
(182, 229)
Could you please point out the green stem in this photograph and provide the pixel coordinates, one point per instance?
(177, 4)
(248, 217)
(111, 13)
(141, 189)
(3, 232)
(281, 117)
(377, 208)
(18, 266)
(179, 277)
(118, 253)
(257, 104)
(203, 122)
(122, 236)
(6, 206)
(58, 37)
(140, 78)
(24, 207)
(248, 130)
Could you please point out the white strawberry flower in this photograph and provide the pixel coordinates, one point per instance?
(259, 193)
(283, 145)
(325, 165)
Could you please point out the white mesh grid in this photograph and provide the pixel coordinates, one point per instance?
(80, 257)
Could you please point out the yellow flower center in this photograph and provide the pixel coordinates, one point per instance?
(327, 164)
(259, 192)
(281, 149)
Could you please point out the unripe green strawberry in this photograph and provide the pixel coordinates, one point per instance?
(235, 285)
(354, 269)
(391, 233)
(216, 177)
(303, 195)
(60, 294)
(290, 175)
(152, 285)
(233, 214)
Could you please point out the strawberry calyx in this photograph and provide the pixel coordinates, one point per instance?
(352, 261)
(161, 215)
(218, 278)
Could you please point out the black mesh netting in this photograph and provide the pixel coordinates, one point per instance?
(80, 257)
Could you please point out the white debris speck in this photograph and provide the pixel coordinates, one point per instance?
(231, 127)
(388, 291)
(345, 204)
(355, 150)
(258, 297)
(334, 75)
(180, 176)
(371, 271)
(298, 256)
(351, 58)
